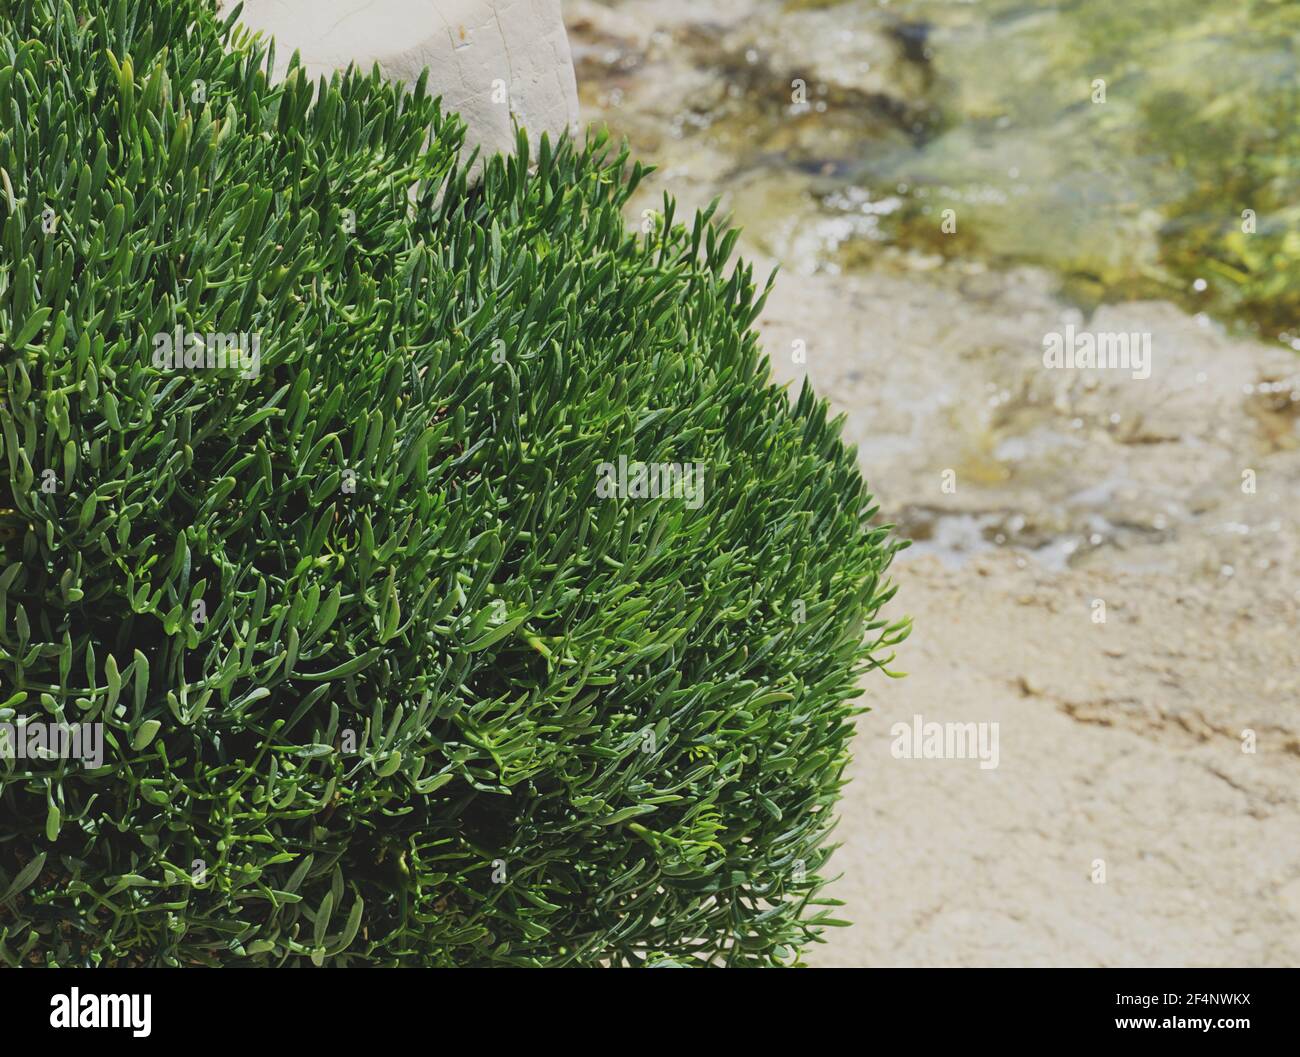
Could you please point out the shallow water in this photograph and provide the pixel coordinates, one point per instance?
(929, 333)
(1120, 143)
(1109, 139)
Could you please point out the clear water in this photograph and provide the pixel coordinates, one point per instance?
(1118, 142)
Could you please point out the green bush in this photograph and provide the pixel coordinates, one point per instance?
(381, 678)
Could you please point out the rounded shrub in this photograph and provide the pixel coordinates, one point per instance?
(352, 610)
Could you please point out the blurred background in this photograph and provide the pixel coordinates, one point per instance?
(942, 184)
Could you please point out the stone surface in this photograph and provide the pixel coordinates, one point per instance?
(1122, 742)
(494, 62)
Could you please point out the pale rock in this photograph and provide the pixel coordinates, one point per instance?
(494, 62)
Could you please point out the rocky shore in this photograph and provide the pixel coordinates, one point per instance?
(1162, 743)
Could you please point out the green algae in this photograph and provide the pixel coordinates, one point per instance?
(1136, 148)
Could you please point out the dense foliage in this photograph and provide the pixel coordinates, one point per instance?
(382, 679)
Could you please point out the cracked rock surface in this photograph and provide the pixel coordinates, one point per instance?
(1121, 741)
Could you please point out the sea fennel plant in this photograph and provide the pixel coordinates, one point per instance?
(382, 675)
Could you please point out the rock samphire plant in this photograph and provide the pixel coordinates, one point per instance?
(388, 669)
